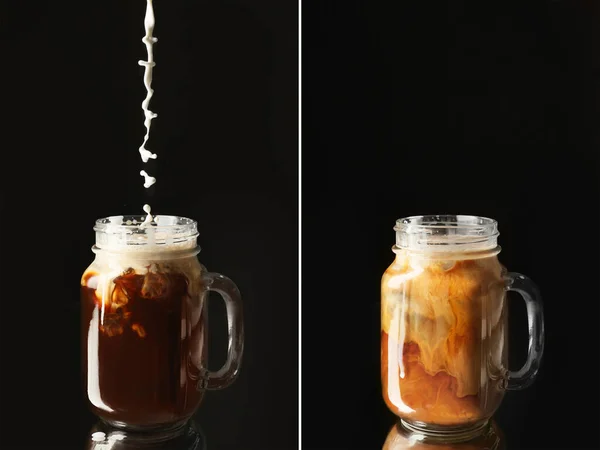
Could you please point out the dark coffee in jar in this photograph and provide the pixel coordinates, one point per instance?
(143, 336)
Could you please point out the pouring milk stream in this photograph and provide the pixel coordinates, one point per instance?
(145, 154)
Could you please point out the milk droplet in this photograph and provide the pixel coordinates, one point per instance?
(149, 218)
(148, 180)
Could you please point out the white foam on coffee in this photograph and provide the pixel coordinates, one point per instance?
(117, 255)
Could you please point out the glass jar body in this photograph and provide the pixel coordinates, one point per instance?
(144, 338)
(443, 337)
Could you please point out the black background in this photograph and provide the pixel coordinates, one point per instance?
(485, 108)
(226, 136)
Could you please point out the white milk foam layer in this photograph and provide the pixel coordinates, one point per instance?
(113, 258)
(114, 264)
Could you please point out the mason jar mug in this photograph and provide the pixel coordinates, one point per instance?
(144, 324)
(444, 325)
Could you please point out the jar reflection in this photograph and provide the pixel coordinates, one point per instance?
(105, 437)
(400, 438)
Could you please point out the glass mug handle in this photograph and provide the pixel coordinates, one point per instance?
(522, 378)
(230, 294)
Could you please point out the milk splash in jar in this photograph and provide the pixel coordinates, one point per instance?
(145, 154)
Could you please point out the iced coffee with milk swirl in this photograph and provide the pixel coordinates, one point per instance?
(442, 335)
(444, 325)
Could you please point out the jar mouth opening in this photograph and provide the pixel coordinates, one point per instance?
(472, 224)
(133, 224)
(444, 232)
(166, 232)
